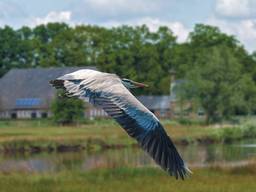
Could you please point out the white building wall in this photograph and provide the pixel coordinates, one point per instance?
(4, 115)
(23, 114)
(27, 114)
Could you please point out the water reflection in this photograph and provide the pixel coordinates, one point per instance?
(234, 154)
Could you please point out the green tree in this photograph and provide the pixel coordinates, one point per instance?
(67, 110)
(207, 36)
(132, 52)
(9, 48)
(217, 83)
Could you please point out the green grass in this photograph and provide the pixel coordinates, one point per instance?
(24, 134)
(132, 180)
(43, 133)
(101, 133)
(229, 134)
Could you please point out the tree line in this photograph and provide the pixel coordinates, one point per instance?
(220, 74)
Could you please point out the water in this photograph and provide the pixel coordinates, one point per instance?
(195, 155)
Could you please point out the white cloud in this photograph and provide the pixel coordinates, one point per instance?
(236, 8)
(248, 29)
(244, 29)
(237, 17)
(63, 16)
(153, 24)
(178, 28)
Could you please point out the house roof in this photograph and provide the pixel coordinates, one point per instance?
(29, 88)
(155, 102)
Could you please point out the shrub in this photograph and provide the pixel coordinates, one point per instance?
(249, 130)
(67, 110)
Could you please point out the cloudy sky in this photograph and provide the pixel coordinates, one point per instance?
(237, 17)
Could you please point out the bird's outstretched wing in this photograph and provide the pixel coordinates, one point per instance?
(106, 91)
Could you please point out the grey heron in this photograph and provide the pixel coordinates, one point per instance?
(111, 93)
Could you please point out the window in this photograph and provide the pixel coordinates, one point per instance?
(33, 115)
(44, 115)
(14, 115)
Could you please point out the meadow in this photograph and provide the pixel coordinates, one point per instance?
(213, 179)
(95, 135)
(24, 135)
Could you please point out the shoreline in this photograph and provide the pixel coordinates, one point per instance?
(42, 136)
(22, 147)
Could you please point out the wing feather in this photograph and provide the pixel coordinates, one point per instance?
(106, 91)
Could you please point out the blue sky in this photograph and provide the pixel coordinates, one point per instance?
(237, 17)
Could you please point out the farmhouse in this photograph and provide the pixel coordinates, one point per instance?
(26, 93)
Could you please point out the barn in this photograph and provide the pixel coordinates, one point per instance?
(26, 93)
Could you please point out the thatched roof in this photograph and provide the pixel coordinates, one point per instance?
(29, 88)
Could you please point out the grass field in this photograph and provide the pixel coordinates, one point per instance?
(104, 129)
(44, 133)
(133, 180)
(16, 134)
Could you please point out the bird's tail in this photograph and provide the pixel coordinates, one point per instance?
(57, 83)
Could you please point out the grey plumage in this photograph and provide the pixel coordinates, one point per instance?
(109, 92)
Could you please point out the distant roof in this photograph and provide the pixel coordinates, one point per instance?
(155, 102)
(29, 88)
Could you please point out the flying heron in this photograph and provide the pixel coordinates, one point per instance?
(111, 93)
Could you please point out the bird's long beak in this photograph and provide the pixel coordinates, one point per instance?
(137, 84)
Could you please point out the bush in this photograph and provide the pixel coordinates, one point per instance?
(236, 133)
(67, 110)
(186, 121)
(232, 133)
(249, 130)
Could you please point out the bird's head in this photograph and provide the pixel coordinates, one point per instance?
(130, 84)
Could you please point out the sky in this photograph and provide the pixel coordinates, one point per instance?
(235, 17)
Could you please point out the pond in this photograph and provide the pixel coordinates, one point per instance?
(235, 154)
